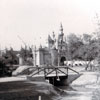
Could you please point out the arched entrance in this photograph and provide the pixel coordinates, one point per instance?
(62, 60)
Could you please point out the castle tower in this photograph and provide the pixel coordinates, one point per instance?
(50, 42)
(60, 38)
(61, 47)
(61, 35)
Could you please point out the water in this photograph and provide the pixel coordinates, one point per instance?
(81, 93)
(82, 89)
(90, 91)
(72, 92)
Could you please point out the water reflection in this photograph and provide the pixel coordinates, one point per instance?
(89, 92)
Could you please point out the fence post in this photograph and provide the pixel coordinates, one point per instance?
(56, 72)
(45, 72)
(39, 97)
(67, 70)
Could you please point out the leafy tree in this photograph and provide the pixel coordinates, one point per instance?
(86, 38)
(26, 54)
(89, 51)
(10, 57)
(74, 43)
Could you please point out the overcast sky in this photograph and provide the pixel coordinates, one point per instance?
(32, 19)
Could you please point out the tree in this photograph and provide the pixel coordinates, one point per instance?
(74, 43)
(10, 57)
(89, 52)
(86, 38)
(26, 54)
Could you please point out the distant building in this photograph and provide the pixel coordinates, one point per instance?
(55, 53)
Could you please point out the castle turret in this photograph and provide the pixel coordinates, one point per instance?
(61, 34)
(61, 47)
(50, 42)
(61, 29)
(60, 38)
(53, 35)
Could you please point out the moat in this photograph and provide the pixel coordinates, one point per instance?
(86, 89)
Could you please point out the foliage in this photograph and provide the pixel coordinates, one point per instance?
(4, 70)
(10, 57)
(26, 54)
(74, 43)
(85, 48)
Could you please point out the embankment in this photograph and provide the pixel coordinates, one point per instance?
(87, 78)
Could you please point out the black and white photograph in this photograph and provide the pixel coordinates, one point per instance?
(49, 49)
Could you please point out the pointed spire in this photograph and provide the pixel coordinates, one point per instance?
(49, 38)
(61, 28)
(53, 34)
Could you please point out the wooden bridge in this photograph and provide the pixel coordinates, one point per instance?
(56, 75)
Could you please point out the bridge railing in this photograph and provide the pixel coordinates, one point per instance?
(52, 70)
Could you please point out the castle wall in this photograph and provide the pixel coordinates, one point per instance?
(43, 57)
(54, 57)
(47, 59)
(39, 57)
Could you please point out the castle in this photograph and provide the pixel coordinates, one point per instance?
(56, 52)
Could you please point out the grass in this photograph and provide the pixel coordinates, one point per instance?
(23, 91)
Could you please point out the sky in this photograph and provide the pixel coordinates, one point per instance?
(33, 20)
